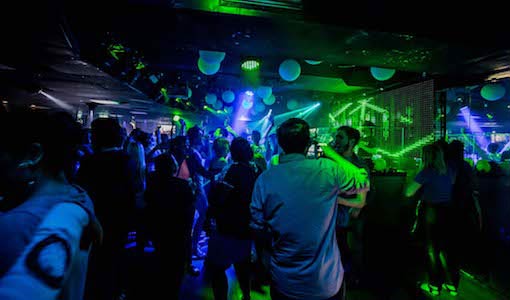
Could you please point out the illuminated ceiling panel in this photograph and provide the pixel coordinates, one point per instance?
(265, 4)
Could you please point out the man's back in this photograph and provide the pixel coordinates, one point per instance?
(296, 202)
(109, 179)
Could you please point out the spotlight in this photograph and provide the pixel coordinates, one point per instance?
(249, 93)
(176, 118)
(250, 65)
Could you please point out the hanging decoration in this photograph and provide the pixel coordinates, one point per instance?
(382, 74)
(211, 99)
(228, 96)
(270, 100)
(206, 68)
(290, 70)
(493, 91)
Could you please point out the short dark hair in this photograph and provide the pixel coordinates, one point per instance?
(455, 151)
(165, 164)
(106, 133)
(194, 132)
(240, 150)
(294, 136)
(220, 145)
(352, 134)
(56, 131)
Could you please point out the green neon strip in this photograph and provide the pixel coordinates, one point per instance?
(362, 114)
(420, 143)
(341, 110)
(355, 110)
(376, 108)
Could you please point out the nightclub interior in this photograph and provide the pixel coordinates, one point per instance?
(388, 93)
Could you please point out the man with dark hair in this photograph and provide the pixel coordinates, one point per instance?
(47, 224)
(346, 140)
(295, 203)
(231, 242)
(169, 220)
(109, 176)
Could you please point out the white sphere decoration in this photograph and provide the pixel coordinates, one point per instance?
(212, 57)
(218, 104)
(313, 62)
(270, 100)
(228, 96)
(382, 74)
(292, 104)
(264, 91)
(210, 99)
(493, 91)
(259, 107)
(208, 69)
(289, 70)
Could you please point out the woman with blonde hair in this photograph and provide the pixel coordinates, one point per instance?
(435, 180)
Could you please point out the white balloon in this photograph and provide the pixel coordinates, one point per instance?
(228, 96)
(264, 91)
(313, 62)
(292, 104)
(259, 107)
(218, 104)
(208, 69)
(290, 70)
(212, 57)
(270, 100)
(210, 99)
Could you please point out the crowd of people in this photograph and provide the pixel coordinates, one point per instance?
(73, 199)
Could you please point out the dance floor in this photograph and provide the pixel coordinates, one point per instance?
(197, 288)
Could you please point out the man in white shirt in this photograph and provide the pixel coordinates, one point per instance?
(296, 202)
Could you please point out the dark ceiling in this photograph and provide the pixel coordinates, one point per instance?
(58, 45)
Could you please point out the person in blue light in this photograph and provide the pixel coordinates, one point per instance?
(46, 224)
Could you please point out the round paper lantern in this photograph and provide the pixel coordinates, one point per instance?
(382, 74)
(210, 99)
(206, 68)
(247, 103)
(313, 62)
(218, 104)
(270, 100)
(493, 91)
(190, 93)
(264, 91)
(212, 57)
(228, 96)
(292, 104)
(259, 107)
(289, 70)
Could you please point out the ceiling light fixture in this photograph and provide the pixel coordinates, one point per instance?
(104, 102)
(250, 65)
